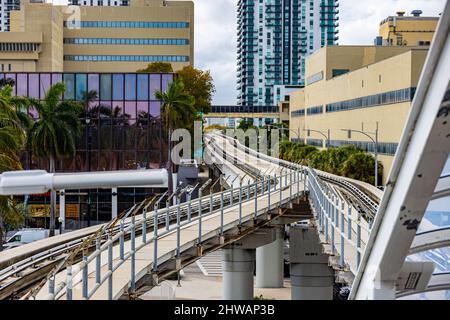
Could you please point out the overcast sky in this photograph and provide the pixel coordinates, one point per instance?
(215, 34)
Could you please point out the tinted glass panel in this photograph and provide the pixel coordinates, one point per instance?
(130, 109)
(130, 87)
(155, 109)
(93, 83)
(105, 87)
(56, 77)
(13, 78)
(142, 108)
(33, 85)
(142, 87)
(166, 80)
(81, 86)
(118, 87)
(155, 85)
(45, 84)
(69, 80)
(22, 85)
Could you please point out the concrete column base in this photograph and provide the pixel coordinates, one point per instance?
(311, 281)
(238, 267)
(269, 263)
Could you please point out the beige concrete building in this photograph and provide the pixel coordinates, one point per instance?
(402, 30)
(358, 88)
(364, 88)
(49, 38)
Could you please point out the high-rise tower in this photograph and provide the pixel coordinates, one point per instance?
(274, 38)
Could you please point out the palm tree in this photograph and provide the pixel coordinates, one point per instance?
(12, 137)
(53, 135)
(177, 111)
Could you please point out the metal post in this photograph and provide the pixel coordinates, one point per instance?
(189, 206)
(98, 261)
(240, 201)
(332, 227)
(69, 283)
(167, 215)
(114, 203)
(178, 227)
(358, 242)
(221, 212)
(255, 215)
(210, 202)
(342, 256)
(290, 186)
(133, 254)
(248, 190)
(110, 268)
(155, 241)
(349, 222)
(62, 210)
(275, 183)
(281, 189)
(326, 221)
(121, 241)
(268, 194)
(51, 285)
(376, 156)
(85, 278)
(144, 226)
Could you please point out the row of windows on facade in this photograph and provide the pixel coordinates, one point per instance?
(125, 24)
(129, 58)
(397, 96)
(126, 41)
(129, 87)
(99, 3)
(18, 46)
(386, 148)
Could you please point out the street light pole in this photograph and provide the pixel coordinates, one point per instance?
(373, 136)
(324, 134)
(287, 129)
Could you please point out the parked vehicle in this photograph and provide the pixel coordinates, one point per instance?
(25, 236)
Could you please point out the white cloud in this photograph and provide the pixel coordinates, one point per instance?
(359, 20)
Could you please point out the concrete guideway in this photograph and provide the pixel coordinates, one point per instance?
(167, 251)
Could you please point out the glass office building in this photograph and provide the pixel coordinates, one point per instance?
(122, 130)
(274, 38)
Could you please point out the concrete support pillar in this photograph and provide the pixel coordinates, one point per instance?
(311, 281)
(311, 277)
(62, 209)
(114, 207)
(270, 264)
(238, 267)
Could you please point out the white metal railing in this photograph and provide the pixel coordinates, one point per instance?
(340, 224)
(271, 187)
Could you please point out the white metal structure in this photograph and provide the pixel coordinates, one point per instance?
(39, 181)
(422, 153)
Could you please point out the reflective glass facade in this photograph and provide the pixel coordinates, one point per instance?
(125, 130)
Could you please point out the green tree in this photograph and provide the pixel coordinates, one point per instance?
(359, 166)
(200, 85)
(53, 135)
(157, 67)
(177, 111)
(12, 137)
(246, 124)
